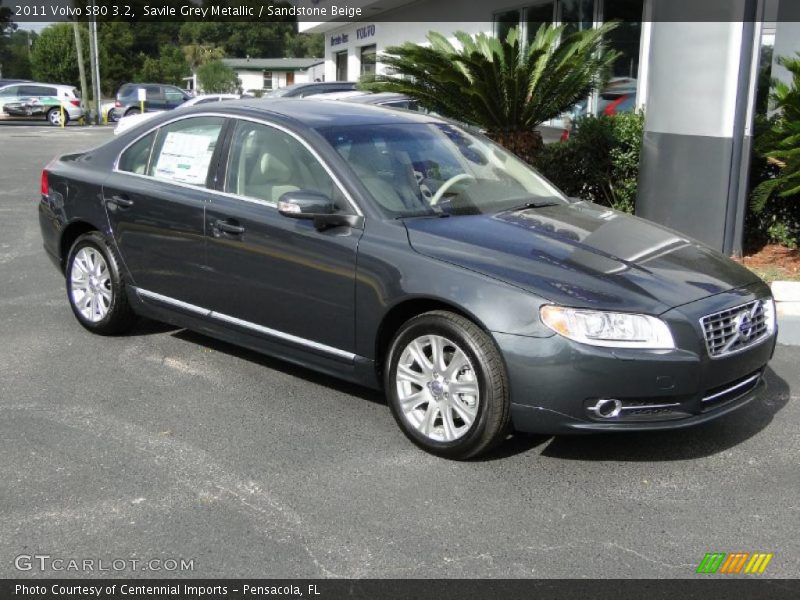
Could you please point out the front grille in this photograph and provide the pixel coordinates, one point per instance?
(732, 391)
(735, 329)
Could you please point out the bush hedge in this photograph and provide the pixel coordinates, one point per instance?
(599, 162)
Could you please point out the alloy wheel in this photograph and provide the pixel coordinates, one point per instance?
(437, 388)
(90, 284)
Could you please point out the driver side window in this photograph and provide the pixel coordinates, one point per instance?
(264, 163)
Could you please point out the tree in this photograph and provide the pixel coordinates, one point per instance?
(6, 27)
(53, 56)
(169, 67)
(507, 87)
(305, 45)
(217, 78)
(15, 58)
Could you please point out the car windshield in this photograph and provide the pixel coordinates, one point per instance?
(429, 169)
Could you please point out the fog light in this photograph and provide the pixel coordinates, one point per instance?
(606, 408)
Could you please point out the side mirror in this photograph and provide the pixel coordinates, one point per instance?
(317, 207)
(304, 204)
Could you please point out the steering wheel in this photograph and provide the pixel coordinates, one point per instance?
(447, 185)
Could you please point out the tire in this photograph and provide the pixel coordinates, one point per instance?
(54, 117)
(95, 289)
(423, 398)
(132, 111)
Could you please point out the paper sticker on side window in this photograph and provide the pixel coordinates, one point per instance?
(185, 157)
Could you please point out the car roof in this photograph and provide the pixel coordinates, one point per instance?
(323, 113)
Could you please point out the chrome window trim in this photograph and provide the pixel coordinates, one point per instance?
(206, 312)
(115, 168)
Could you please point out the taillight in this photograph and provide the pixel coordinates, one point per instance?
(45, 185)
(117, 104)
(75, 102)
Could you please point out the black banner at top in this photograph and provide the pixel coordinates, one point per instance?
(377, 11)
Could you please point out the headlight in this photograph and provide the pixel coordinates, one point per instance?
(601, 328)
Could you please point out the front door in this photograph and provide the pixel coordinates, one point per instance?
(155, 202)
(277, 276)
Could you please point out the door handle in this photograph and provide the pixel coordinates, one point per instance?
(229, 226)
(121, 201)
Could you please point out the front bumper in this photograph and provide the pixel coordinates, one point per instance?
(555, 382)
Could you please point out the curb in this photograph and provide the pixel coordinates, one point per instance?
(787, 303)
(787, 297)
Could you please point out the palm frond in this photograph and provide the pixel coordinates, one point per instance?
(499, 84)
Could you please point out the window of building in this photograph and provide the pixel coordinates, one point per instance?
(536, 16)
(267, 81)
(581, 15)
(627, 37)
(577, 15)
(505, 21)
(368, 60)
(341, 66)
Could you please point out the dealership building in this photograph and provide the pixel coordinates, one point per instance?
(693, 65)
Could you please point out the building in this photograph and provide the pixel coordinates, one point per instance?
(264, 74)
(693, 65)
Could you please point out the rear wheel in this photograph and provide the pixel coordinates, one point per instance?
(54, 117)
(446, 385)
(95, 288)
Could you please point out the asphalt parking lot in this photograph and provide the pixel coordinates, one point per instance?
(165, 444)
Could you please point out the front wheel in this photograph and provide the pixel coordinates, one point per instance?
(446, 385)
(95, 288)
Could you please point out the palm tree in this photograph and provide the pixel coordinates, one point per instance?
(781, 144)
(506, 87)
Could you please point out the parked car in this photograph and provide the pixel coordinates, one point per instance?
(301, 90)
(387, 100)
(400, 251)
(159, 97)
(137, 118)
(40, 101)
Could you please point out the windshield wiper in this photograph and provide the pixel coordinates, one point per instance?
(528, 205)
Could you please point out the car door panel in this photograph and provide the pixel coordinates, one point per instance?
(158, 222)
(274, 272)
(282, 273)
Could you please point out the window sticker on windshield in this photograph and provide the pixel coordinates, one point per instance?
(185, 157)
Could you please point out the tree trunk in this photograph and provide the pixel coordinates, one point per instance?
(525, 143)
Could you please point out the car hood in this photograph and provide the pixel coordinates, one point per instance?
(582, 255)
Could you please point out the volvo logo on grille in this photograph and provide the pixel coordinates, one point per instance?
(744, 325)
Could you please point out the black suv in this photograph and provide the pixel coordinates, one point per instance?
(158, 97)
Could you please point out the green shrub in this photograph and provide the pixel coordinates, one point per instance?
(600, 162)
(774, 215)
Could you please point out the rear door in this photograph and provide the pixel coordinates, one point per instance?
(156, 100)
(155, 201)
(270, 274)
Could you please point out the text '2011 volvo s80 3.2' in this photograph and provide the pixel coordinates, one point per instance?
(405, 252)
